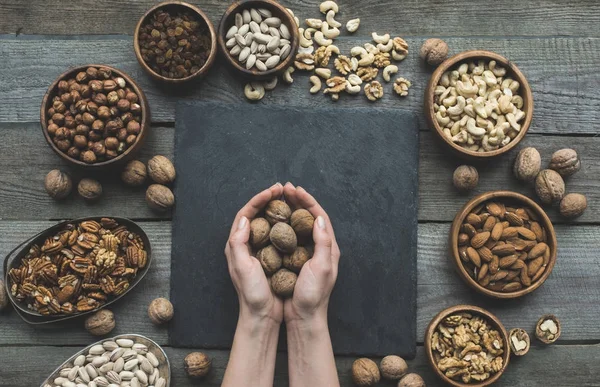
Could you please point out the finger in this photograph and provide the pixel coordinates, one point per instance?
(308, 202)
(323, 243)
(237, 244)
(256, 204)
(291, 197)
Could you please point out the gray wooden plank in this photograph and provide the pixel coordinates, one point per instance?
(561, 71)
(415, 18)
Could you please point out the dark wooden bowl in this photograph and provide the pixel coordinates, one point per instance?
(502, 196)
(279, 11)
(171, 6)
(130, 152)
(515, 73)
(490, 318)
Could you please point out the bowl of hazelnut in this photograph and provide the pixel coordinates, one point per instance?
(94, 116)
(479, 103)
(175, 42)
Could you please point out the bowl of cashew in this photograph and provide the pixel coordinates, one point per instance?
(479, 103)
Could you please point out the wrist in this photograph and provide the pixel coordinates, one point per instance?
(256, 324)
(311, 325)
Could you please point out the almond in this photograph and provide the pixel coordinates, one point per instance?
(511, 287)
(480, 239)
(512, 274)
(485, 253)
(539, 274)
(534, 266)
(462, 253)
(526, 233)
(495, 209)
(507, 261)
(489, 224)
(503, 250)
(485, 281)
(525, 278)
(509, 232)
(522, 213)
(518, 265)
(514, 219)
(538, 250)
(496, 233)
(473, 256)
(493, 265)
(537, 230)
(500, 275)
(469, 230)
(474, 220)
(482, 272)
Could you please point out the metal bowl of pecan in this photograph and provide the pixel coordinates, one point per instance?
(503, 244)
(467, 346)
(76, 267)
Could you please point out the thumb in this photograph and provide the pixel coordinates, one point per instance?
(238, 242)
(323, 243)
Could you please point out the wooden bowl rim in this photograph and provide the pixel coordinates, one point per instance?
(491, 318)
(143, 125)
(213, 42)
(525, 93)
(270, 4)
(515, 196)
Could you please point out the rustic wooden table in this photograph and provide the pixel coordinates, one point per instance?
(556, 45)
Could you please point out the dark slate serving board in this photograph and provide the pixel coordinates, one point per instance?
(360, 164)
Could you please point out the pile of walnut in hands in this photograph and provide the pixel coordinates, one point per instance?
(282, 241)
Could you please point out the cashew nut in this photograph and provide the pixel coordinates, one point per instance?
(454, 77)
(331, 21)
(354, 79)
(326, 6)
(352, 89)
(270, 84)
(330, 33)
(321, 40)
(366, 60)
(497, 70)
(383, 39)
(460, 137)
(323, 72)
(254, 91)
(354, 62)
(467, 89)
(459, 107)
(316, 82)
(469, 110)
(517, 100)
(287, 75)
(303, 41)
(357, 51)
(308, 32)
(463, 68)
(489, 78)
(306, 50)
(450, 101)
(388, 71)
(455, 129)
(478, 106)
(332, 49)
(386, 47)
(479, 68)
(352, 25)
(505, 103)
(474, 130)
(314, 23)
(481, 84)
(371, 49)
(443, 121)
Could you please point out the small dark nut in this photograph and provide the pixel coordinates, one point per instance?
(549, 186)
(159, 197)
(434, 51)
(111, 143)
(109, 85)
(302, 222)
(270, 259)
(58, 184)
(197, 365)
(365, 372)
(283, 237)
(411, 380)
(565, 161)
(297, 259)
(88, 157)
(519, 341)
(3, 296)
(283, 283)
(465, 178)
(547, 329)
(393, 367)
(277, 211)
(133, 127)
(92, 72)
(160, 311)
(573, 205)
(123, 105)
(527, 164)
(161, 169)
(89, 189)
(259, 232)
(100, 323)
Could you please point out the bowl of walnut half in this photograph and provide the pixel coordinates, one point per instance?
(94, 116)
(503, 244)
(467, 346)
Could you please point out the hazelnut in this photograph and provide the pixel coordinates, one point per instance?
(111, 143)
(81, 77)
(527, 164)
(100, 99)
(99, 149)
(565, 162)
(73, 152)
(92, 72)
(3, 296)
(160, 169)
(302, 222)
(283, 283)
(277, 211)
(160, 311)
(58, 184)
(393, 367)
(270, 259)
(573, 205)
(549, 186)
(197, 365)
(134, 173)
(259, 232)
(89, 189)
(283, 237)
(411, 380)
(88, 118)
(109, 85)
(96, 86)
(130, 140)
(131, 97)
(104, 73)
(123, 105)
(297, 259)
(159, 197)
(465, 178)
(365, 372)
(133, 127)
(434, 51)
(112, 98)
(100, 323)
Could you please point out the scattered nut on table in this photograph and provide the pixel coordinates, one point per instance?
(58, 184)
(393, 367)
(434, 51)
(401, 86)
(89, 189)
(254, 91)
(159, 197)
(365, 372)
(316, 84)
(549, 186)
(100, 323)
(411, 380)
(373, 90)
(160, 311)
(519, 341)
(548, 329)
(352, 25)
(134, 174)
(566, 162)
(197, 365)
(161, 170)
(465, 178)
(527, 164)
(573, 205)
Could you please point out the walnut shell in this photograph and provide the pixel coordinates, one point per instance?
(100, 323)
(393, 367)
(259, 232)
(519, 341)
(411, 380)
(527, 164)
(160, 311)
(197, 365)
(548, 329)
(465, 178)
(549, 186)
(3, 296)
(58, 184)
(161, 170)
(573, 205)
(434, 51)
(302, 222)
(565, 161)
(283, 237)
(297, 259)
(89, 189)
(134, 173)
(365, 372)
(159, 197)
(277, 211)
(270, 259)
(283, 283)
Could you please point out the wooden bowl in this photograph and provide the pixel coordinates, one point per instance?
(512, 70)
(490, 318)
(503, 197)
(119, 160)
(279, 11)
(174, 6)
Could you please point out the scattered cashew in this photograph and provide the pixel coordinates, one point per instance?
(308, 32)
(306, 50)
(498, 71)
(314, 23)
(303, 41)
(328, 5)
(358, 51)
(287, 75)
(388, 71)
(383, 39)
(398, 56)
(321, 40)
(270, 84)
(386, 47)
(316, 82)
(354, 62)
(331, 21)
(323, 72)
(352, 89)
(332, 48)
(329, 33)
(366, 60)
(371, 49)
(254, 91)
(352, 25)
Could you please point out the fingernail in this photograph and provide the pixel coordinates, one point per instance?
(242, 223)
(321, 222)
(276, 184)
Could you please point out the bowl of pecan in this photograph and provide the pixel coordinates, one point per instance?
(175, 42)
(503, 244)
(94, 116)
(467, 346)
(75, 268)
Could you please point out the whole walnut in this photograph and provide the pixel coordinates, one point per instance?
(259, 232)
(434, 51)
(393, 367)
(3, 296)
(270, 259)
(465, 178)
(573, 205)
(58, 184)
(283, 283)
(159, 197)
(302, 222)
(365, 372)
(134, 173)
(527, 164)
(160, 311)
(100, 323)
(411, 380)
(197, 365)
(283, 237)
(89, 189)
(565, 161)
(277, 211)
(161, 169)
(297, 259)
(549, 186)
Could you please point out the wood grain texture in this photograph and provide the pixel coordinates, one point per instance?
(462, 18)
(562, 73)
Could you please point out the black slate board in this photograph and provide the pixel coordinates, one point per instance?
(360, 164)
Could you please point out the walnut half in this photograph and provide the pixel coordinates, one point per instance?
(519, 341)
